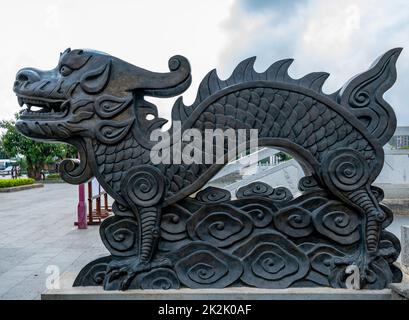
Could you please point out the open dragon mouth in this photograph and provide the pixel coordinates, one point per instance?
(41, 107)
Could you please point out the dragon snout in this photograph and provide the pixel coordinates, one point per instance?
(25, 76)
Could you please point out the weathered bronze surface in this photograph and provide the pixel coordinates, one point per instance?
(160, 237)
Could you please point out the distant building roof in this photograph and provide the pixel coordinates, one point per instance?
(402, 131)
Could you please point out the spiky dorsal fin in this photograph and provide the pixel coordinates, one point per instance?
(363, 95)
(244, 72)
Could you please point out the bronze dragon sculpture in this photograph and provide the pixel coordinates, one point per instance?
(95, 102)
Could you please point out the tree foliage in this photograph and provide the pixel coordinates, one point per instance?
(283, 156)
(36, 154)
(3, 153)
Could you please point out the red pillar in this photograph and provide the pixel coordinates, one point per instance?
(81, 208)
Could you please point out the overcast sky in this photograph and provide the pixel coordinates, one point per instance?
(339, 36)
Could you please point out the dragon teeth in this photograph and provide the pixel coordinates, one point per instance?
(64, 106)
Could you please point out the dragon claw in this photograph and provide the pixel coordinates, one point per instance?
(362, 261)
(127, 270)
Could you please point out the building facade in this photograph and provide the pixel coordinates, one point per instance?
(401, 138)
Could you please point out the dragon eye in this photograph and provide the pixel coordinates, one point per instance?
(65, 71)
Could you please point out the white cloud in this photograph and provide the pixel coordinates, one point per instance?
(341, 37)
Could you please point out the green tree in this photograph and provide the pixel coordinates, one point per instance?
(36, 154)
(3, 153)
(283, 156)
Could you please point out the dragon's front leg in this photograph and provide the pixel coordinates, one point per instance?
(143, 189)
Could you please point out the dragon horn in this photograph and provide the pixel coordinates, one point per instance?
(164, 84)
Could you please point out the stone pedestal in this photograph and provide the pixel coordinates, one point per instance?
(243, 293)
(400, 291)
(67, 292)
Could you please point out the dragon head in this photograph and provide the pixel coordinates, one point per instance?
(91, 94)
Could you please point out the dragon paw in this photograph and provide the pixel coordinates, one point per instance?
(125, 270)
(362, 261)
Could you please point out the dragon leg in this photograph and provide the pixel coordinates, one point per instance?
(371, 229)
(346, 174)
(143, 189)
(149, 219)
(365, 200)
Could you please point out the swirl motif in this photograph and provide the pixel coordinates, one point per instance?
(160, 278)
(294, 221)
(122, 211)
(76, 171)
(261, 212)
(307, 183)
(108, 106)
(110, 132)
(359, 98)
(200, 265)
(321, 259)
(337, 222)
(345, 169)
(143, 186)
(93, 273)
(254, 189)
(120, 236)
(175, 63)
(281, 194)
(271, 261)
(173, 228)
(258, 188)
(309, 200)
(213, 195)
(219, 225)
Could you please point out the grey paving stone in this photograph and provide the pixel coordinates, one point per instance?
(37, 230)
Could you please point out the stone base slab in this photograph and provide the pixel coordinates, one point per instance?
(400, 291)
(67, 292)
(243, 293)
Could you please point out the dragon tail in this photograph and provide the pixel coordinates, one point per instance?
(363, 96)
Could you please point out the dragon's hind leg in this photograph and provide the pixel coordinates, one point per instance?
(347, 175)
(365, 201)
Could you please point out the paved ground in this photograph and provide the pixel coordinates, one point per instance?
(36, 231)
